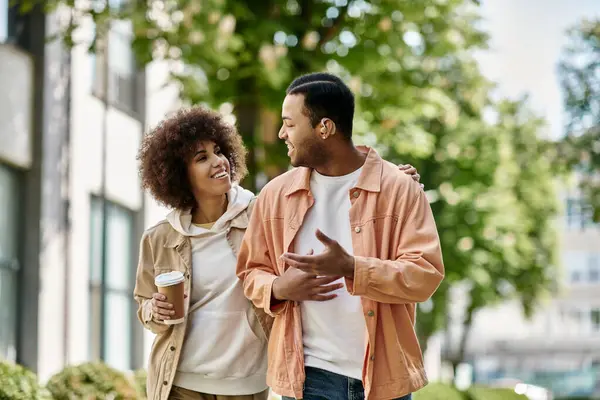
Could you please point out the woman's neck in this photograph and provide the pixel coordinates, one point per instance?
(209, 209)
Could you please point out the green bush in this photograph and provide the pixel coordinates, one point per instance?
(91, 381)
(438, 391)
(574, 398)
(18, 383)
(484, 393)
(139, 379)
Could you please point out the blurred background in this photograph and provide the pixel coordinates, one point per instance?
(497, 103)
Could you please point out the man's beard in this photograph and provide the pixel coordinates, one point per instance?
(311, 154)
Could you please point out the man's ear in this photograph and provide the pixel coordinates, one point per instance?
(327, 128)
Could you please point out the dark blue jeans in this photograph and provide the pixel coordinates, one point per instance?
(325, 385)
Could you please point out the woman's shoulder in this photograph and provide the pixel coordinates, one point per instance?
(159, 230)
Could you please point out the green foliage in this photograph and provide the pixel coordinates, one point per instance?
(18, 383)
(580, 69)
(483, 393)
(139, 379)
(438, 391)
(573, 398)
(420, 99)
(91, 381)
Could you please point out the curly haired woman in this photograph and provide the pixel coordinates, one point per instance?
(191, 163)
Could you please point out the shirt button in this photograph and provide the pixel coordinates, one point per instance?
(357, 229)
(355, 194)
(371, 313)
(372, 358)
(172, 348)
(165, 383)
(187, 276)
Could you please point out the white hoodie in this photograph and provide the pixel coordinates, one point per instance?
(224, 351)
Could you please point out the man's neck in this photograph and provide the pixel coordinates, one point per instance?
(342, 160)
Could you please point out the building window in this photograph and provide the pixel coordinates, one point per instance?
(122, 70)
(595, 316)
(9, 265)
(575, 266)
(579, 214)
(112, 334)
(594, 267)
(4, 20)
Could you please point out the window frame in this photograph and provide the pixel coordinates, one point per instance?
(13, 264)
(4, 21)
(99, 292)
(578, 214)
(135, 82)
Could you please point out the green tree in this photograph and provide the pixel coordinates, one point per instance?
(508, 229)
(246, 55)
(420, 97)
(580, 79)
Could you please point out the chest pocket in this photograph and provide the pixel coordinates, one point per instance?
(171, 259)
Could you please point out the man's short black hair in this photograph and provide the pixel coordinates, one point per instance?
(326, 96)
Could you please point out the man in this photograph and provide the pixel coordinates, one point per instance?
(342, 212)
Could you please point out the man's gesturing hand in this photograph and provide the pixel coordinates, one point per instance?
(333, 261)
(298, 285)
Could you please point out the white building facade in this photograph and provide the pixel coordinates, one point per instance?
(559, 347)
(63, 306)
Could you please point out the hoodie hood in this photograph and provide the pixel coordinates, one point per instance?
(238, 201)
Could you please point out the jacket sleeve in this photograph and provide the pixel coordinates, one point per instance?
(254, 265)
(144, 288)
(418, 269)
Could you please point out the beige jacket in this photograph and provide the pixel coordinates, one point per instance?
(163, 249)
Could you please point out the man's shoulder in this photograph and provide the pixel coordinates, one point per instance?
(395, 181)
(280, 184)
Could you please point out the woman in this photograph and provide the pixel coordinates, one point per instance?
(191, 163)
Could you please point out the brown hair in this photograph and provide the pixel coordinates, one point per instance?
(167, 149)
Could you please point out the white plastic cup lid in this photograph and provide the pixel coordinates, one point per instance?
(168, 279)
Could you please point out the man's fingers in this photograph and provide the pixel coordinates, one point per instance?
(403, 167)
(292, 259)
(325, 280)
(323, 297)
(328, 288)
(323, 238)
(416, 177)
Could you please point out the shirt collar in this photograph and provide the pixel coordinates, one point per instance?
(369, 179)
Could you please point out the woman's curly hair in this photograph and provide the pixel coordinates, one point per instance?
(167, 149)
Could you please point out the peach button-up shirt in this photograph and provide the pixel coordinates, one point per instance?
(398, 263)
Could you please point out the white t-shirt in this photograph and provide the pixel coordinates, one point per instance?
(333, 331)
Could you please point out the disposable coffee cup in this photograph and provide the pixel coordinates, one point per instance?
(171, 285)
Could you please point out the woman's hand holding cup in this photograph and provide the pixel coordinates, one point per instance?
(168, 304)
(161, 309)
